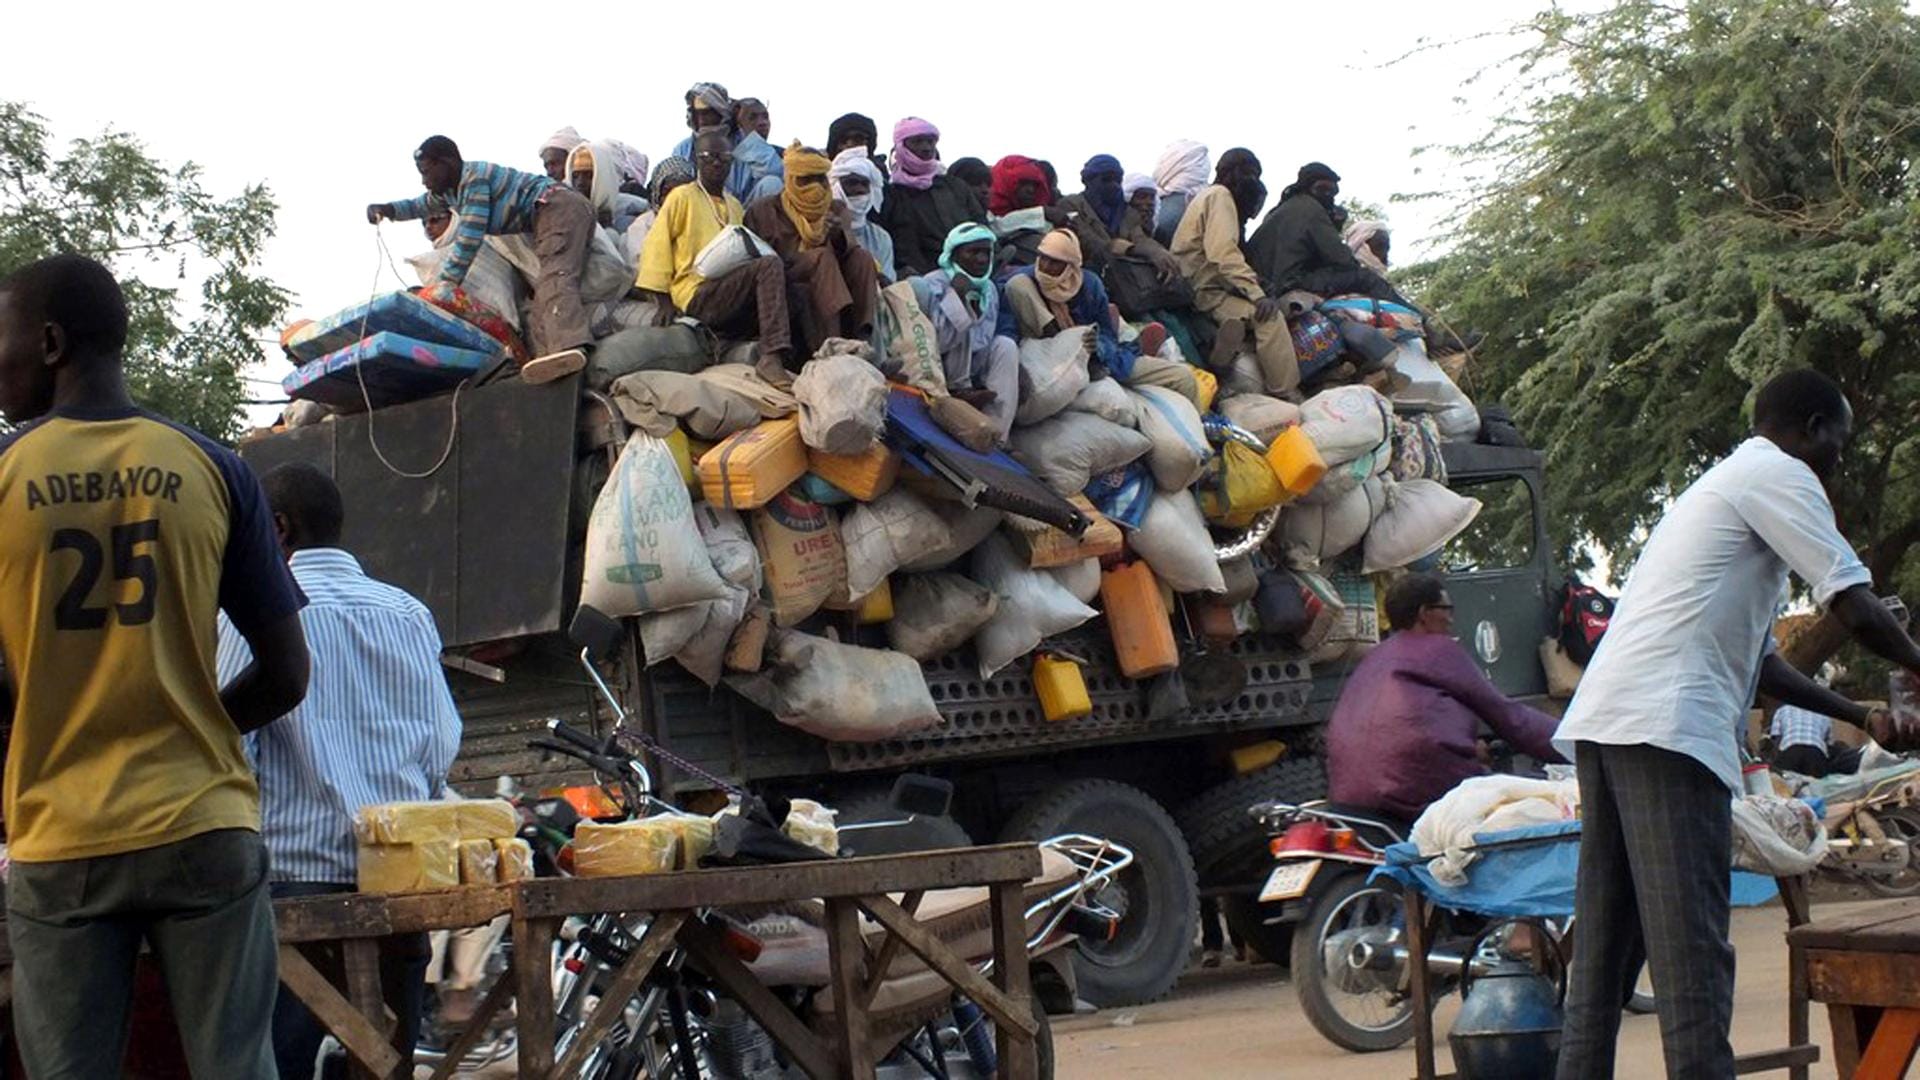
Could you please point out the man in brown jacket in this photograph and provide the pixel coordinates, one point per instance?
(1207, 248)
(824, 263)
(1105, 224)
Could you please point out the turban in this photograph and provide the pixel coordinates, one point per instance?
(712, 95)
(967, 232)
(1314, 170)
(854, 161)
(671, 170)
(1008, 173)
(1357, 236)
(806, 204)
(1182, 168)
(1101, 163)
(852, 124)
(1060, 288)
(565, 139)
(1108, 202)
(909, 168)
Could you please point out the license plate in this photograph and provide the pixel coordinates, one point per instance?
(1289, 880)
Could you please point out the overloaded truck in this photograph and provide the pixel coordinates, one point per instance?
(478, 503)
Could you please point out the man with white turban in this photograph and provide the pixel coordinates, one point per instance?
(553, 152)
(858, 184)
(1181, 174)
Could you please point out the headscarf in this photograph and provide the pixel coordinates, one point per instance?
(565, 139)
(851, 124)
(1183, 168)
(671, 169)
(1112, 207)
(1358, 233)
(910, 169)
(1060, 289)
(1008, 172)
(713, 96)
(968, 232)
(631, 163)
(1136, 181)
(599, 157)
(854, 161)
(1310, 172)
(806, 204)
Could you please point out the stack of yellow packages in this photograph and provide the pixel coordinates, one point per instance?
(653, 845)
(421, 846)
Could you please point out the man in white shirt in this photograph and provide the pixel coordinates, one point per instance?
(1653, 730)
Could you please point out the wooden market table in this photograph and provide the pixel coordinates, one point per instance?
(1865, 966)
(1800, 1052)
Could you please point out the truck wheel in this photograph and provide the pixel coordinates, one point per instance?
(1156, 896)
(1230, 847)
(922, 834)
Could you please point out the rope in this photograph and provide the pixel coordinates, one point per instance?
(360, 375)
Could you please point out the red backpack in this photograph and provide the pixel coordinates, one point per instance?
(1584, 614)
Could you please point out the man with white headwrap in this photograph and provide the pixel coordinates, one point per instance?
(553, 152)
(1370, 241)
(858, 184)
(594, 171)
(1180, 175)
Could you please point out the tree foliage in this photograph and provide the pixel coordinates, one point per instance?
(108, 198)
(1688, 200)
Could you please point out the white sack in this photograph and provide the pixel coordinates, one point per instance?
(843, 403)
(644, 552)
(841, 692)
(1033, 605)
(1174, 541)
(1421, 516)
(1052, 372)
(882, 534)
(936, 613)
(1067, 450)
(1180, 450)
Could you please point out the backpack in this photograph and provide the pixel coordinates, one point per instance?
(1584, 614)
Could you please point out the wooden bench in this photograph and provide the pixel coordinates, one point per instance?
(1865, 966)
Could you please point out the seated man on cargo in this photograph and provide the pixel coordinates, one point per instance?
(1406, 728)
(859, 184)
(553, 152)
(1107, 224)
(750, 297)
(1298, 246)
(825, 264)
(493, 200)
(923, 204)
(1207, 245)
(982, 364)
(754, 172)
(1057, 293)
(378, 726)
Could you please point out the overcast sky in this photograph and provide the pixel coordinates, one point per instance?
(326, 102)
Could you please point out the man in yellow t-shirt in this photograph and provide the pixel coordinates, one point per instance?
(131, 813)
(750, 298)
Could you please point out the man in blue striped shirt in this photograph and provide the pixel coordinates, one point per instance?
(378, 725)
(493, 200)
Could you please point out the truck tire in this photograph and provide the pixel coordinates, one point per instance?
(1230, 847)
(923, 834)
(1157, 897)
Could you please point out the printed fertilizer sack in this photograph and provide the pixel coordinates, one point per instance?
(801, 555)
(644, 552)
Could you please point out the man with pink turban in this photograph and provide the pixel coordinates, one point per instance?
(923, 203)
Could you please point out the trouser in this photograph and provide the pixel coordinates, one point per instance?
(1169, 374)
(76, 926)
(1655, 856)
(1211, 939)
(1272, 341)
(1818, 761)
(563, 227)
(995, 368)
(840, 292)
(297, 1034)
(749, 299)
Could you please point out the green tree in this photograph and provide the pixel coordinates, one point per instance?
(108, 198)
(1688, 200)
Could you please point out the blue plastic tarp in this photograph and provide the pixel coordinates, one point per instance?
(1525, 872)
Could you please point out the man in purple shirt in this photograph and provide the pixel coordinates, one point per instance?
(1405, 730)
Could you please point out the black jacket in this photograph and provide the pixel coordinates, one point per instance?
(920, 220)
(1296, 241)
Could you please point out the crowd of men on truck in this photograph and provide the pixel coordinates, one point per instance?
(205, 688)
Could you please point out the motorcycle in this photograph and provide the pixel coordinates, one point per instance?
(1870, 839)
(1350, 960)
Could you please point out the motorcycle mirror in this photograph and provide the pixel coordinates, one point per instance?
(595, 632)
(921, 796)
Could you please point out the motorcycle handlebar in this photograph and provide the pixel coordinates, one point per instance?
(559, 729)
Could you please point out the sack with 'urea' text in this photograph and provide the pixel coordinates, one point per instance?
(644, 552)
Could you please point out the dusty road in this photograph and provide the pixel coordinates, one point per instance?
(1243, 1021)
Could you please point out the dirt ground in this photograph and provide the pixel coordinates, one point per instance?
(1243, 1020)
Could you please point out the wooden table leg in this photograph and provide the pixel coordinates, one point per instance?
(845, 951)
(626, 982)
(1895, 1039)
(476, 1028)
(362, 959)
(533, 981)
(1852, 1026)
(1420, 986)
(1018, 1055)
(1799, 1027)
(364, 1041)
(723, 967)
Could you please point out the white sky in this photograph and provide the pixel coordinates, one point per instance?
(326, 102)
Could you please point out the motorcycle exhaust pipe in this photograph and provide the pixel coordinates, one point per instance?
(1375, 956)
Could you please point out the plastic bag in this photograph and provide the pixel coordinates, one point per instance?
(625, 848)
(1033, 606)
(1174, 541)
(880, 535)
(1431, 389)
(1068, 450)
(802, 556)
(936, 613)
(1123, 495)
(841, 692)
(1237, 485)
(1180, 449)
(1053, 371)
(644, 552)
(843, 403)
(1420, 517)
(812, 824)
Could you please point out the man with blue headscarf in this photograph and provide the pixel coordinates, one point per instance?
(982, 366)
(1107, 226)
